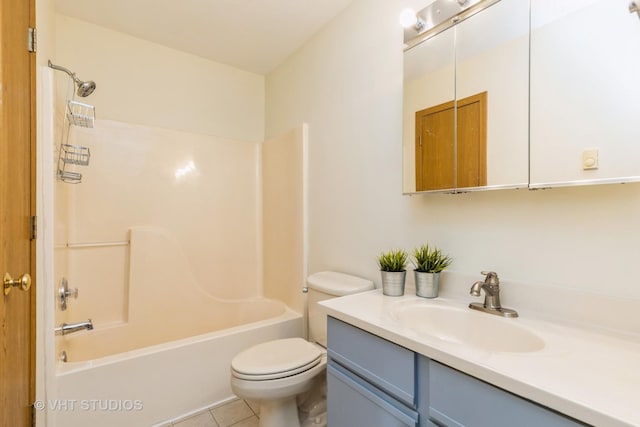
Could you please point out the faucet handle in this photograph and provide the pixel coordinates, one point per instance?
(491, 279)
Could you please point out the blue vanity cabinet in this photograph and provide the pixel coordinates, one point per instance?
(457, 399)
(372, 382)
(353, 402)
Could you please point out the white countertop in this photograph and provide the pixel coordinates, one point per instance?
(591, 375)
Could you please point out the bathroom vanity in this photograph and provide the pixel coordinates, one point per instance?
(372, 381)
(383, 370)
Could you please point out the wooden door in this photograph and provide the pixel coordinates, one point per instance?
(471, 145)
(435, 152)
(451, 147)
(17, 206)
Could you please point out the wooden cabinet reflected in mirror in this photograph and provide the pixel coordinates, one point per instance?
(441, 164)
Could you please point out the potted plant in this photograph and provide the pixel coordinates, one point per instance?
(429, 262)
(393, 269)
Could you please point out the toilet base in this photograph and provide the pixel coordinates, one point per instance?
(279, 413)
(278, 397)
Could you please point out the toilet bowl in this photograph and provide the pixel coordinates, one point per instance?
(274, 373)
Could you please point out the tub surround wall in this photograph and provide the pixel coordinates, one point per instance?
(201, 189)
(346, 83)
(284, 216)
(161, 304)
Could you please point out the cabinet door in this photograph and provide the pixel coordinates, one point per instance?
(450, 143)
(458, 400)
(386, 365)
(585, 96)
(353, 402)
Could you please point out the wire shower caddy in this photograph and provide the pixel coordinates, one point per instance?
(81, 115)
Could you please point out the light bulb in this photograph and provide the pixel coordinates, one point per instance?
(408, 18)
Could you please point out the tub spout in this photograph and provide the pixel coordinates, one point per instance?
(68, 328)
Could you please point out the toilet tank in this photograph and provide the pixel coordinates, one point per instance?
(325, 285)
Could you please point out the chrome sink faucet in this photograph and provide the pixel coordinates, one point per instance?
(491, 288)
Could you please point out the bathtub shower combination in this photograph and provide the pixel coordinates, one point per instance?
(165, 256)
(172, 354)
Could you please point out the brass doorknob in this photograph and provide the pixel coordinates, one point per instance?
(23, 282)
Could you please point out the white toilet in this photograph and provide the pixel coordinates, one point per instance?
(275, 372)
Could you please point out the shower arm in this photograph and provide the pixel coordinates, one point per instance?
(69, 72)
(84, 88)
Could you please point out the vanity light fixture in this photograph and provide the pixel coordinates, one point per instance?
(439, 16)
(409, 18)
(634, 7)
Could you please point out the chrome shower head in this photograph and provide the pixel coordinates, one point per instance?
(84, 88)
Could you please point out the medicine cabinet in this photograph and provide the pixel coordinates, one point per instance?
(516, 94)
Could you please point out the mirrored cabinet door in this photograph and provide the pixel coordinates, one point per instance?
(585, 92)
(428, 115)
(466, 102)
(492, 92)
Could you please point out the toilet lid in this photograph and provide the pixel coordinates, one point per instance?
(276, 359)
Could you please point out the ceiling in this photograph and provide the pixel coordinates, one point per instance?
(253, 35)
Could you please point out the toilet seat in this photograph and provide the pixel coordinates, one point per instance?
(276, 359)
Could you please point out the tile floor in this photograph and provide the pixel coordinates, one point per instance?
(236, 413)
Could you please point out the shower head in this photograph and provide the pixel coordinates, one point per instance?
(84, 88)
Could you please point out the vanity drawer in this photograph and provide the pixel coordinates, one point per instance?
(384, 364)
(363, 405)
(457, 400)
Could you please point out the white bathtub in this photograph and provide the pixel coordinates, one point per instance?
(156, 383)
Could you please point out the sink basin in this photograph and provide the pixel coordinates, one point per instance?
(467, 327)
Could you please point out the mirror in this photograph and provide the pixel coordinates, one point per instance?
(585, 92)
(465, 119)
(429, 80)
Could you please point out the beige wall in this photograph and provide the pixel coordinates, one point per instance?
(284, 225)
(346, 83)
(145, 83)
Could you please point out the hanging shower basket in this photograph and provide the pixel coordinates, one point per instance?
(69, 177)
(72, 155)
(75, 155)
(80, 114)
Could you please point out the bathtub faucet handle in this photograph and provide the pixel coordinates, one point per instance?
(65, 293)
